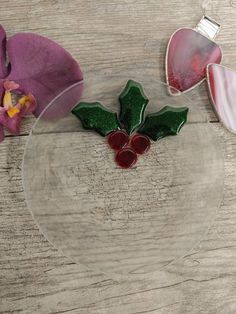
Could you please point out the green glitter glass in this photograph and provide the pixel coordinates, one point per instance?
(167, 121)
(132, 106)
(133, 102)
(94, 116)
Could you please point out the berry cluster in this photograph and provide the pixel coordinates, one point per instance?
(128, 148)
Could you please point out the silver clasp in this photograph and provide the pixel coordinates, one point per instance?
(208, 27)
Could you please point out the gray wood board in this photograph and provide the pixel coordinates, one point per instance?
(112, 37)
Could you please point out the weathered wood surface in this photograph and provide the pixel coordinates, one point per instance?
(111, 36)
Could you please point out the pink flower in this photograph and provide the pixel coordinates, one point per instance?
(38, 70)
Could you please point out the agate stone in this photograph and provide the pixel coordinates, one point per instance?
(222, 85)
(188, 55)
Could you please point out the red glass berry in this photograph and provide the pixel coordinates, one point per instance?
(140, 144)
(118, 139)
(126, 158)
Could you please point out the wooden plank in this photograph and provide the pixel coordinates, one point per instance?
(111, 37)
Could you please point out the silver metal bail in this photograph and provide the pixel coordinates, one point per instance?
(208, 27)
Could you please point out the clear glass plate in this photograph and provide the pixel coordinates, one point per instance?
(114, 220)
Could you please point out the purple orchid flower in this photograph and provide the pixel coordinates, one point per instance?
(38, 71)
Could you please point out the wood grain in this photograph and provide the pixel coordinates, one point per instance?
(110, 36)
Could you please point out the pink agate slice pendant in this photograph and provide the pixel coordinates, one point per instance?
(188, 54)
(222, 86)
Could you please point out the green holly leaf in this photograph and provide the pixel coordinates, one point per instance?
(168, 121)
(133, 102)
(94, 116)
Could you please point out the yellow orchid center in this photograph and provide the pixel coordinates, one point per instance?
(12, 111)
(7, 103)
(15, 102)
(7, 100)
(25, 100)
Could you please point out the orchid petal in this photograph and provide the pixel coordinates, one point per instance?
(12, 124)
(3, 68)
(10, 85)
(42, 68)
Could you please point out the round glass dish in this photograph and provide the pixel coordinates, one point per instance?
(115, 220)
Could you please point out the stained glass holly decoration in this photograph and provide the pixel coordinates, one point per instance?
(130, 133)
